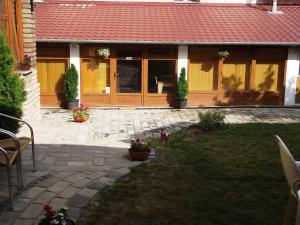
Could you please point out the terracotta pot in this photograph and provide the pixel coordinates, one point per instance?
(80, 119)
(24, 68)
(139, 156)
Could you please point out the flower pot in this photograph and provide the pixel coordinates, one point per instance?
(80, 119)
(181, 103)
(24, 67)
(73, 104)
(138, 156)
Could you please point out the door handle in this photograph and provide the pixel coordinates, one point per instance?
(116, 74)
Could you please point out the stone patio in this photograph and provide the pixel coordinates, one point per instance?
(75, 160)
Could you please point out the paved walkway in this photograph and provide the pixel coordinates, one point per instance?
(75, 160)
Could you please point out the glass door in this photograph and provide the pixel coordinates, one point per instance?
(129, 76)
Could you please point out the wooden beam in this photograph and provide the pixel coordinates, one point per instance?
(113, 77)
(252, 77)
(19, 27)
(220, 76)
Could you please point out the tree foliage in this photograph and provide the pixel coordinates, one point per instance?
(71, 84)
(12, 90)
(182, 87)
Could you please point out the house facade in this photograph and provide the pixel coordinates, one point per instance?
(17, 22)
(150, 42)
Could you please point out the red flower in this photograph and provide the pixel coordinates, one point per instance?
(49, 210)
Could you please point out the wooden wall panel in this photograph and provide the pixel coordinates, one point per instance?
(199, 99)
(129, 99)
(202, 75)
(42, 75)
(94, 76)
(298, 91)
(267, 76)
(50, 76)
(160, 100)
(53, 50)
(235, 76)
(95, 100)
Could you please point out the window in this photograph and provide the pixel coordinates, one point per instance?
(3, 17)
(11, 25)
(161, 76)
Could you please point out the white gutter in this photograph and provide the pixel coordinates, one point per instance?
(168, 42)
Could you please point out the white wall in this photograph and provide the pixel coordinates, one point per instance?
(182, 59)
(75, 59)
(292, 72)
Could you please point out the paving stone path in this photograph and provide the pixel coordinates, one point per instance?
(75, 160)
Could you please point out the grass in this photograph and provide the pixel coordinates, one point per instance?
(231, 176)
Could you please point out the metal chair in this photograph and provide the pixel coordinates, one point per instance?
(7, 159)
(292, 174)
(8, 144)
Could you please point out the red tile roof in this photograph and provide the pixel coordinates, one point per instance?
(166, 23)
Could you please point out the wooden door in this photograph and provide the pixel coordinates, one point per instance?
(50, 76)
(128, 83)
(95, 82)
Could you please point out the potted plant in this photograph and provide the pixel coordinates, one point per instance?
(182, 90)
(81, 114)
(59, 217)
(104, 52)
(223, 54)
(71, 87)
(139, 150)
(25, 65)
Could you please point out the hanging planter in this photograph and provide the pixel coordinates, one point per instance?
(104, 52)
(223, 54)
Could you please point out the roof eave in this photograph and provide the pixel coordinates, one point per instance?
(167, 42)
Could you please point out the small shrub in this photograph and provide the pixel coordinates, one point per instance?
(182, 87)
(12, 90)
(211, 120)
(71, 84)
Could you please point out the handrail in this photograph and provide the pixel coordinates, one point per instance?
(22, 121)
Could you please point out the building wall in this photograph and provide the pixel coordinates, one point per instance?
(31, 107)
(250, 76)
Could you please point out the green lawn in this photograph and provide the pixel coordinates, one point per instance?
(232, 176)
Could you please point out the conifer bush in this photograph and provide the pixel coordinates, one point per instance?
(71, 84)
(182, 87)
(12, 90)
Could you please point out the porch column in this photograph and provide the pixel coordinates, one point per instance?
(182, 59)
(292, 71)
(75, 60)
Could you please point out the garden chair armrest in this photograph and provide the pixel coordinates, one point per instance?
(13, 137)
(6, 155)
(296, 188)
(22, 121)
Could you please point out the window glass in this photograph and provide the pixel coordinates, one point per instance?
(161, 76)
(2, 7)
(129, 75)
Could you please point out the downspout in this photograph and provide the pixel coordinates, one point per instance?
(274, 7)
